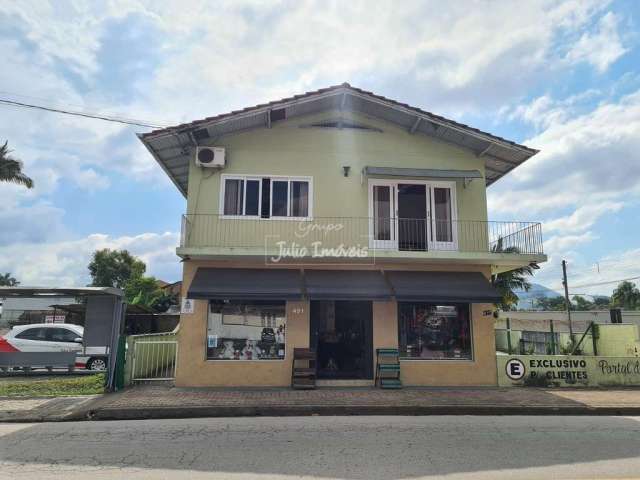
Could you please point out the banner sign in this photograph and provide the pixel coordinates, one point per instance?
(567, 371)
(54, 318)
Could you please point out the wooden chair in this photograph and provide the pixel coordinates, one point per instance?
(303, 370)
(388, 368)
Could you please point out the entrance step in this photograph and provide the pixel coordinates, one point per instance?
(390, 383)
(344, 383)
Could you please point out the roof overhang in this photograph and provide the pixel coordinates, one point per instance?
(53, 292)
(174, 147)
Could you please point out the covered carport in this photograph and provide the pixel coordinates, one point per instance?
(104, 317)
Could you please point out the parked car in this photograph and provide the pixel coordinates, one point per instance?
(58, 337)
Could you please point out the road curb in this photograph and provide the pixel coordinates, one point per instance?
(351, 410)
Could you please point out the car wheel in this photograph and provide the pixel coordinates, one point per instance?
(97, 364)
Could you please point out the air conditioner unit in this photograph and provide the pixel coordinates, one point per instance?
(210, 157)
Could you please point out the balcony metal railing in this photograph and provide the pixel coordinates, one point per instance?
(400, 234)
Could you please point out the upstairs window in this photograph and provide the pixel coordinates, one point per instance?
(241, 196)
(266, 197)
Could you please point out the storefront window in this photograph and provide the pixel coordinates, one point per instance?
(246, 330)
(434, 332)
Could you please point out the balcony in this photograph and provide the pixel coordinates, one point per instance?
(361, 238)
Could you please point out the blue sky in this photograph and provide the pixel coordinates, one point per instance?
(563, 77)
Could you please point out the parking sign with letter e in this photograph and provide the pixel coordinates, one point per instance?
(515, 369)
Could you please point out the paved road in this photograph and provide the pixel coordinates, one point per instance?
(325, 447)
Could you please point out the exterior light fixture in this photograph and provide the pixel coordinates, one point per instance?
(346, 170)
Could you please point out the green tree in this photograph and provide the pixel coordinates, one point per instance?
(114, 268)
(507, 282)
(146, 291)
(6, 280)
(582, 303)
(142, 290)
(601, 302)
(551, 304)
(11, 168)
(162, 302)
(627, 296)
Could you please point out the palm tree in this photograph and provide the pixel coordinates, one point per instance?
(11, 169)
(6, 280)
(507, 282)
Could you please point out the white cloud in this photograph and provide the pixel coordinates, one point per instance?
(30, 224)
(588, 167)
(600, 49)
(544, 111)
(241, 53)
(586, 160)
(564, 242)
(603, 276)
(64, 263)
(273, 50)
(583, 217)
(67, 32)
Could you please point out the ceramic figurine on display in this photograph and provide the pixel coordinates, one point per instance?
(227, 353)
(251, 351)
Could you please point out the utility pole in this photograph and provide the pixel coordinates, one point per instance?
(566, 300)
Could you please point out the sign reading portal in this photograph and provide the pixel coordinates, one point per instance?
(567, 371)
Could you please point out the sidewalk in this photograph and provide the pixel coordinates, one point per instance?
(55, 409)
(156, 401)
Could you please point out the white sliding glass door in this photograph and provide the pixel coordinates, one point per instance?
(413, 215)
(382, 215)
(443, 232)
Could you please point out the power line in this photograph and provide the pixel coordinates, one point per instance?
(96, 116)
(606, 283)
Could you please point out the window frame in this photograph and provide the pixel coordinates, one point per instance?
(430, 185)
(244, 179)
(277, 178)
(258, 361)
(472, 356)
(26, 330)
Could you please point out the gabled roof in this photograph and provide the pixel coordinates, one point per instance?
(173, 147)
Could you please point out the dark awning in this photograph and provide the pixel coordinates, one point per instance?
(346, 285)
(245, 283)
(467, 287)
(421, 172)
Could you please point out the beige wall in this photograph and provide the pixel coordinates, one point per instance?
(480, 371)
(286, 149)
(194, 370)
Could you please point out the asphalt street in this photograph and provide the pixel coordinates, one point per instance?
(452, 447)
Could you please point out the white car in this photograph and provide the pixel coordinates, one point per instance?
(53, 337)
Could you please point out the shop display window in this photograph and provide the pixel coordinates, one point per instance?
(434, 332)
(246, 330)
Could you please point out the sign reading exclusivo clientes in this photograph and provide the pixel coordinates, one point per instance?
(567, 371)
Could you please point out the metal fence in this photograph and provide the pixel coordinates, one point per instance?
(402, 234)
(529, 342)
(154, 357)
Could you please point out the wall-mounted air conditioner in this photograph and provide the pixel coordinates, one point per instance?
(210, 157)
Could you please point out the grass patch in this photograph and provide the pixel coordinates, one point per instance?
(54, 387)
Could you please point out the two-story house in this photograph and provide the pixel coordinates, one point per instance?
(342, 221)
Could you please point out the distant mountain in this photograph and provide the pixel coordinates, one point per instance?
(536, 291)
